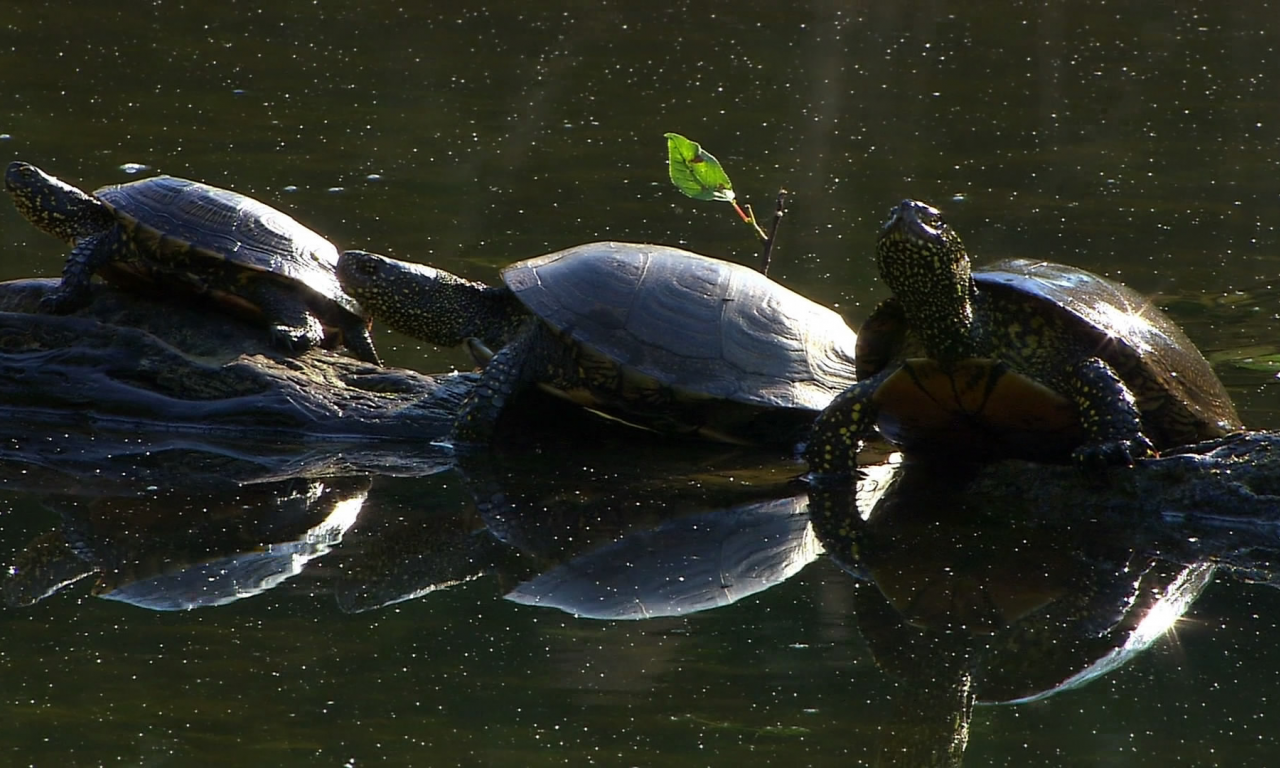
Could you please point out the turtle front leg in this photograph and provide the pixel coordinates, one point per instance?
(1109, 416)
(89, 255)
(357, 339)
(512, 370)
(838, 432)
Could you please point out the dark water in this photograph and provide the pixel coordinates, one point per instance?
(1135, 139)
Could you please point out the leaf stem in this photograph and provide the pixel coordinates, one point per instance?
(750, 218)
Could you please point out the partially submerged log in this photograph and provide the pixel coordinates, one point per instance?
(129, 358)
(1237, 476)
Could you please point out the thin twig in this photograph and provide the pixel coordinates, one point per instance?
(779, 210)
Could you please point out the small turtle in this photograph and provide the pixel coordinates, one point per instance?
(654, 336)
(1024, 358)
(165, 233)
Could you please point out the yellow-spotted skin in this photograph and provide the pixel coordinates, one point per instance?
(1022, 358)
(169, 236)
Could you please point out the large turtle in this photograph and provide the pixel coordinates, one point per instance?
(1024, 358)
(169, 234)
(655, 336)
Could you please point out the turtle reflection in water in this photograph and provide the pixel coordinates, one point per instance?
(654, 336)
(169, 235)
(177, 551)
(688, 563)
(968, 598)
(636, 527)
(403, 550)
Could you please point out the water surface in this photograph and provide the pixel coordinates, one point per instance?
(1137, 140)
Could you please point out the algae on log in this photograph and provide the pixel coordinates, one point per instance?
(1236, 476)
(129, 358)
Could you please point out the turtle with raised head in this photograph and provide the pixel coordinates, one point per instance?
(1024, 358)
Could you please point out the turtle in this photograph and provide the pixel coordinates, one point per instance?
(163, 233)
(652, 335)
(1024, 358)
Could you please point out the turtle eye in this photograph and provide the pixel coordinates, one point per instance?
(357, 262)
(927, 215)
(919, 219)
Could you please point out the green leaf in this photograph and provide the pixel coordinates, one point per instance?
(1260, 357)
(1270, 364)
(695, 171)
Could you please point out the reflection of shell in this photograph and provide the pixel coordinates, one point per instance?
(44, 567)
(227, 579)
(404, 557)
(685, 565)
(1157, 619)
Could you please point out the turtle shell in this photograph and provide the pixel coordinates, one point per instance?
(187, 227)
(1179, 397)
(697, 325)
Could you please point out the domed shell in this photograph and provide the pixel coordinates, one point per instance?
(185, 219)
(1181, 399)
(686, 564)
(694, 323)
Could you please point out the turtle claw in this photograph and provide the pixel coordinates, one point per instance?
(291, 342)
(60, 303)
(1114, 453)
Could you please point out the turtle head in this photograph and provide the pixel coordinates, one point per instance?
(54, 205)
(926, 266)
(415, 299)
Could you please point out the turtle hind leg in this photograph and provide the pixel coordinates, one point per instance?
(88, 256)
(292, 324)
(296, 334)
